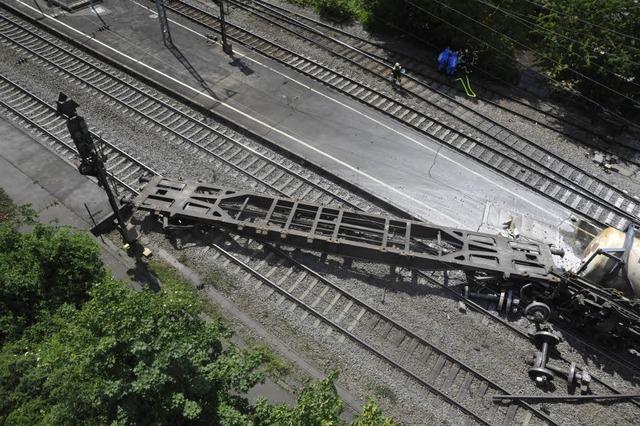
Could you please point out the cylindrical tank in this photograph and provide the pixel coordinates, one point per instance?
(627, 277)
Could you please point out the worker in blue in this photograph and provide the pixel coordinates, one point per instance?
(453, 63)
(443, 59)
(397, 72)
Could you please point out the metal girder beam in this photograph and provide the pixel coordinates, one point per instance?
(335, 230)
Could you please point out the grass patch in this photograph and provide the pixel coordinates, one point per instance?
(175, 282)
(218, 280)
(274, 366)
(385, 392)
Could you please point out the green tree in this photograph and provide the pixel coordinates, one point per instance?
(372, 416)
(125, 357)
(81, 348)
(477, 26)
(340, 10)
(40, 271)
(318, 405)
(591, 45)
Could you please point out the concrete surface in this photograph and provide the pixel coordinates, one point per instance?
(31, 173)
(332, 131)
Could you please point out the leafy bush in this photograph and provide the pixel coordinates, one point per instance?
(6, 206)
(336, 10)
(77, 347)
(42, 270)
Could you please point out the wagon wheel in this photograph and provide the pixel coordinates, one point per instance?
(537, 312)
(532, 292)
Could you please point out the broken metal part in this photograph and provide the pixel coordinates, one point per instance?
(577, 378)
(618, 396)
(176, 225)
(574, 377)
(533, 291)
(505, 301)
(497, 263)
(540, 374)
(612, 260)
(539, 371)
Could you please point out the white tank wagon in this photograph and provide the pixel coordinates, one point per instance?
(612, 260)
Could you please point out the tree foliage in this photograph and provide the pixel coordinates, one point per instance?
(340, 10)
(592, 45)
(372, 416)
(81, 348)
(41, 270)
(124, 357)
(477, 26)
(318, 405)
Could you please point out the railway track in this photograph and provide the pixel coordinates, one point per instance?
(39, 116)
(434, 369)
(484, 140)
(462, 390)
(231, 154)
(459, 386)
(421, 75)
(467, 385)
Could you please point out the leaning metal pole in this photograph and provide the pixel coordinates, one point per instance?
(164, 25)
(91, 162)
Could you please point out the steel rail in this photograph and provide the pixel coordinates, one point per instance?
(430, 78)
(367, 346)
(543, 154)
(58, 141)
(109, 93)
(285, 56)
(391, 361)
(315, 274)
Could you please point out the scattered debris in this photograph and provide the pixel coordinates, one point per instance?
(511, 228)
(598, 158)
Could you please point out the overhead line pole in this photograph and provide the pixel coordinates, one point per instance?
(226, 47)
